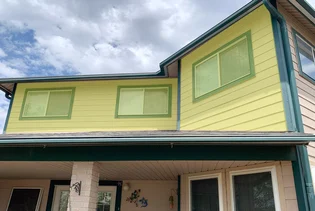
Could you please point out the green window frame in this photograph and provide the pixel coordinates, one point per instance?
(50, 98)
(135, 93)
(298, 38)
(218, 66)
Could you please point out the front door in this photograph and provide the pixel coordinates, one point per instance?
(105, 202)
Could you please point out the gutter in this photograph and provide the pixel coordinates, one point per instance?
(306, 199)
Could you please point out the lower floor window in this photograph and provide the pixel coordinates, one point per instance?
(25, 199)
(106, 198)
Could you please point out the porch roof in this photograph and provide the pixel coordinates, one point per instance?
(157, 137)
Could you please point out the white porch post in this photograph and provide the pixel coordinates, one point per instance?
(88, 174)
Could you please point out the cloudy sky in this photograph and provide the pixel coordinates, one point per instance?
(58, 37)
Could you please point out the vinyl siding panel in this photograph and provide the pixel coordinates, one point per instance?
(253, 105)
(93, 109)
(306, 89)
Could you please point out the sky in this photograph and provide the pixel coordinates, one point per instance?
(58, 37)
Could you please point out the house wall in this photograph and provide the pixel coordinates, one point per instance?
(7, 185)
(157, 193)
(93, 109)
(252, 105)
(306, 89)
(286, 186)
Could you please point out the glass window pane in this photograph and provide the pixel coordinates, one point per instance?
(234, 62)
(131, 102)
(59, 103)
(35, 104)
(254, 192)
(206, 76)
(104, 201)
(63, 202)
(306, 58)
(205, 195)
(156, 101)
(24, 199)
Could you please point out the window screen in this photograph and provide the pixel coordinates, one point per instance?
(253, 192)
(204, 195)
(48, 103)
(225, 66)
(24, 199)
(307, 57)
(144, 101)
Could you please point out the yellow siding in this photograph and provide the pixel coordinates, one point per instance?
(93, 109)
(253, 105)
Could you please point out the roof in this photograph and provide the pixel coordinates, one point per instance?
(168, 67)
(157, 137)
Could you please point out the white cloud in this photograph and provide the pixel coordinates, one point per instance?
(8, 72)
(2, 53)
(311, 2)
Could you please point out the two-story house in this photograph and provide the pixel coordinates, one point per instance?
(225, 124)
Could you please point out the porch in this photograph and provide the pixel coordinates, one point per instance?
(107, 184)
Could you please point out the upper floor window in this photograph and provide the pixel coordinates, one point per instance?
(47, 103)
(144, 101)
(306, 54)
(223, 68)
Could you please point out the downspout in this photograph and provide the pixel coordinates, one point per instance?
(304, 165)
(11, 98)
(8, 96)
(178, 95)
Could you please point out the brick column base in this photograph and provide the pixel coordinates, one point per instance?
(88, 174)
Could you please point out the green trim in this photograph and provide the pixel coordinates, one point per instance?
(169, 114)
(148, 152)
(285, 85)
(301, 72)
(233, 83)
(178, 95)
(48, 117)
(53, 183)
(299, 185)
(9, 110)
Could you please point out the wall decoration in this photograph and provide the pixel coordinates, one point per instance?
(144, 202)
(134, 197)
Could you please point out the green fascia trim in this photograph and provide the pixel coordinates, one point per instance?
(178, 192)
(9, 110)
(307, 7)
(178, 95)
(48, 117)
(211, 32)
(158, 74)
(299, 185)
(169, 114)
(304, 75)
(288, 140)
(145, 152)
(53, 183)
(233, 83)
(285, 84)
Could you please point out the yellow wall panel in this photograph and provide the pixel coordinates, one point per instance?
(93, 109)
(255, 104)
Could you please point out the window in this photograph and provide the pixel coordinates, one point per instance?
(306, 55)
(225, 67)
(255, 190)
(146, 101)
(106, 198)
(25, 199)
(46, 103)
(205, 193)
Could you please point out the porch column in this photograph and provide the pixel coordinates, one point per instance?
(88, 174)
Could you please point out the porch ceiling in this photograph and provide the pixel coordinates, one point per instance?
(122, 170)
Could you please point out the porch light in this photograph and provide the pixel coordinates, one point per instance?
(126, 187)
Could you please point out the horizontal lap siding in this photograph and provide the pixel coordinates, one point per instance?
(252, 105)
(93, 109)
(306, 89)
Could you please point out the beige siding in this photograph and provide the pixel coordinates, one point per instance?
(7, 185)
(287, 193)
(306, 89)
(157, 193)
